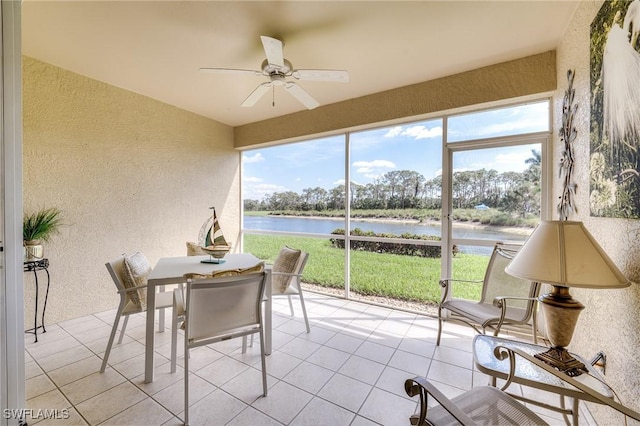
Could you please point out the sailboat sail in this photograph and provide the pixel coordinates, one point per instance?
(216, 237)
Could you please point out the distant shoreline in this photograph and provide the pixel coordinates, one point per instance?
(519, 230)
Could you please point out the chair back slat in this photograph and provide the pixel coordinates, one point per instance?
(498, 283)
(116, 270)
(218, 306)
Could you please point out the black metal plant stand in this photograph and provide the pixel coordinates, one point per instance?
(35, 266)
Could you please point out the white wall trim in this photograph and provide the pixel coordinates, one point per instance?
(12, 375)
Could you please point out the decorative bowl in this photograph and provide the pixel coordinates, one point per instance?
(217, 251)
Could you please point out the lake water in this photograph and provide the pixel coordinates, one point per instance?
(326, 226)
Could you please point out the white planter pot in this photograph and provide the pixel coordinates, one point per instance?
(33, 251)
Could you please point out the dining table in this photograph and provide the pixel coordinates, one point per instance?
(171, 270)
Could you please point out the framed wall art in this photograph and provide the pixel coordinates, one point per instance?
(614, 167)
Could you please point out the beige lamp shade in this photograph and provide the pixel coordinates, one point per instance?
(564, 253)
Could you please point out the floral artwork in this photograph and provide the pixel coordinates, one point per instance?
(615, 111)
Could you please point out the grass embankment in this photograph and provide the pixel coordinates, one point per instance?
(374, 274)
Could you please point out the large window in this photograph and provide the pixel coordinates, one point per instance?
(426, 200)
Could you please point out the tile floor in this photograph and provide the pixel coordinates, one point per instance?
(350, 370)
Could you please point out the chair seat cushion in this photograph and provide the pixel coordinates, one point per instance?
(259, 267)
(285, 264)
(135, 272)
(483, 312)
(194, 249)
(487, 405)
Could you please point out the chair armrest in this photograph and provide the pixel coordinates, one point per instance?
(424, 388)
(504, 351)
(444, 283)
(499, 301)
(287, 273)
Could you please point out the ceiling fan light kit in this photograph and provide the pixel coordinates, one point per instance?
(279, 71)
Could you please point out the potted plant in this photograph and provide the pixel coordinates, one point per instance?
(38, 227)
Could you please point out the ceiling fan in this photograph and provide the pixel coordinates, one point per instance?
(279, 71)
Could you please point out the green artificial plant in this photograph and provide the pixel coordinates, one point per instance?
(42, 224)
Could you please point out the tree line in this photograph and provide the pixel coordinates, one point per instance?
(512, 192)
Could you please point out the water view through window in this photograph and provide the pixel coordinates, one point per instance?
(296, 194)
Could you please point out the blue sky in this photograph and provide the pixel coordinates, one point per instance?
(414, 146)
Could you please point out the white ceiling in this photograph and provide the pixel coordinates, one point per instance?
(156, 48)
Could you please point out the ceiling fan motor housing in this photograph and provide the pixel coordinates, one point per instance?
(273, 69)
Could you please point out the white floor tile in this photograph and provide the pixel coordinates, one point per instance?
(217, 408)
(386, 408)
(309, 377)
(323, 413)
(146, 412)
(253, 417)
(349, 371)
(110, 403)
(362, 369)
(329, 358)
(346, 392)
(284, 402)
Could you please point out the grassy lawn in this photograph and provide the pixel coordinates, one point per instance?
(400, 277)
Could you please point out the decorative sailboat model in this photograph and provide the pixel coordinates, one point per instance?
(214, 244)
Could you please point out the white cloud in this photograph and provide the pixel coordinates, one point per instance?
(422, 132)
(259, 191)
(339, 182)
(373, 169)
(416, 132)
(512, 161)
(256, 158)
(367, 166)
(393, 132)
(252, 179)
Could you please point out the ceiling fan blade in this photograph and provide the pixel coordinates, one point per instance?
(230, 71)
(273, 48)
(339, 76)
(300, 94)
(256, 94)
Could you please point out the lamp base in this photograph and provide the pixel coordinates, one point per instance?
(559, 358)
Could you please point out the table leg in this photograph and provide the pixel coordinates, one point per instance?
(35, 314)
(149, 337)
(46, 297)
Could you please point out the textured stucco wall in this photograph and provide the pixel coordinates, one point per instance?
(129, 172)
(521, 77)
(611, 319)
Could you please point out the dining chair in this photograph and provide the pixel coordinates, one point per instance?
(217, 309)
(179, 308)
(505, 300)
(286, 276)
(129, 273)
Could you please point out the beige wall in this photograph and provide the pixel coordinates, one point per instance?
(130, 173)
(611, 319)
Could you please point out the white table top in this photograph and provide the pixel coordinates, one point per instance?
(170, 270)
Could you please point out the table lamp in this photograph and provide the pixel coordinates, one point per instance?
(564, 254)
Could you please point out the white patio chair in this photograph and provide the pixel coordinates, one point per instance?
(286, 276)
(505, 300)
(129, 274)
(218, 309)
